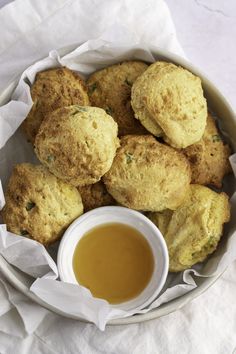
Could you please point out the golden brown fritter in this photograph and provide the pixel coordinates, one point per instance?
(193, 231)
(168, 100)
(147, 175)
(39, 205)
(53, 89)
(77, 144)
(95, 196)
(161, 219)
(209, 157)
(110, 89)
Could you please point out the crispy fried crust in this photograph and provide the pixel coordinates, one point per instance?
(209, 158)
(95, 196)
(77, 143)
(53, 89)
(193, 231)
(168, 100)
(147, 175)
(110, 89)
(39, 205)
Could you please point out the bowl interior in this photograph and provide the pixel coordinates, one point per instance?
(222, 109)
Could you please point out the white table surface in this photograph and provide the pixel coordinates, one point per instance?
(206, 30)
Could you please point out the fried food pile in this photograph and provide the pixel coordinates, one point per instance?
(135, 135)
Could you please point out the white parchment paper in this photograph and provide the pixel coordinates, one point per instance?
(30, 256)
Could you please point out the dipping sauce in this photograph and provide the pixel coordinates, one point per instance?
(114, 261)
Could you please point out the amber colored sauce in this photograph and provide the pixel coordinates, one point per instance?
(114, 261)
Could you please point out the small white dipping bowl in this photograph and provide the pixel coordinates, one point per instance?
(115, 214)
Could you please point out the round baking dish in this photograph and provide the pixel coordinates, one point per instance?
(220, 106)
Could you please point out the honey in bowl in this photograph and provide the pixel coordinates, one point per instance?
(114, 261)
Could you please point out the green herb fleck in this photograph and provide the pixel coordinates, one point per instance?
(129, 157)
(50, 158)
(109, 110)
(211, 241)
(92, 88)
(216, 138)
(24, 232)
(128, 82)
(80, 109)
(30, 205)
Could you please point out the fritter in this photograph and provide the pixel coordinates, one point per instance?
(147, 175)
(53, 89)
(193, 231)
(168, 100)
(209, 157)
(95, 196)
(39, 205)
(77, 143)
(110, 89)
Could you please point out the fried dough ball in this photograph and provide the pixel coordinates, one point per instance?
(95, 196)
(77, 144)
(110, 89)
(53, 89)
(147, 175)
(161, 219)
(39, 205)
(193, 231)
(209, 157)
(168, 100)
